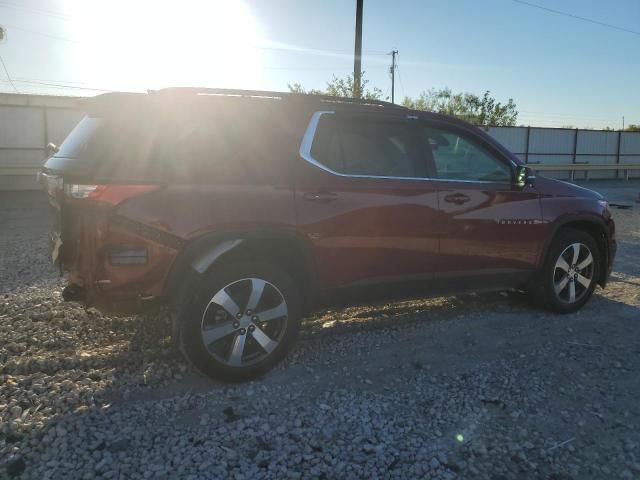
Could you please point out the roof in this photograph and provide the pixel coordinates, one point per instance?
(120, 100)
(109, 99)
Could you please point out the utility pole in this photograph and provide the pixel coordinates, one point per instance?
(392, 70)
(622, 122)
(357, 56)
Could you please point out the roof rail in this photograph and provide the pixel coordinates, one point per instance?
(308, 97)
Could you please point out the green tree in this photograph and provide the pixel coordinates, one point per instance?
(484, 111)
(298, 88)
(632, 128)
(341, 87)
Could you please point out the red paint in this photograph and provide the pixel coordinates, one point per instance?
(355, 230)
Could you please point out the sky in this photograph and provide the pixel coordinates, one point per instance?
(559, 70)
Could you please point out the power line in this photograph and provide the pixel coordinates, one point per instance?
(58, 85)
(309, 50)
(8, 76)
(49, 35)
(523, 117)
(400, 80)
(48, 13)
(577, 17)
(63, 84)
(314, 50)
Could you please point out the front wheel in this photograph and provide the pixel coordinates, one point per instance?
(571, 271)
(242, 319)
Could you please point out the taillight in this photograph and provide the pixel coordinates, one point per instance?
(106, 194)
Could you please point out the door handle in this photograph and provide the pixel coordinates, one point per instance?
(320, 196)
(457, 198)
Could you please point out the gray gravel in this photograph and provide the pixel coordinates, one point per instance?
(475, 386)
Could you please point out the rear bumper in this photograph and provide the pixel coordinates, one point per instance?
(114, 267)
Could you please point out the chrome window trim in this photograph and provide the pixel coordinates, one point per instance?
(307, 142)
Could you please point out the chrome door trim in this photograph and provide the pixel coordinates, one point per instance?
(307, 142)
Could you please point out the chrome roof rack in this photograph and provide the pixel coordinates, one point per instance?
(303, 97)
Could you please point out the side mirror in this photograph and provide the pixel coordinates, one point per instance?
(524, 176)
(52, 149)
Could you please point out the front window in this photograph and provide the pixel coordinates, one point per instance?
(456, 157)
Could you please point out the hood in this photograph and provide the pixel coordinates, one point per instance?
(558, 188)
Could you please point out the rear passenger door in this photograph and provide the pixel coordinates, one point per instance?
(492, 225)
(364, 199)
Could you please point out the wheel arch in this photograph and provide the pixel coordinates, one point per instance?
(200, 255)
(592, 225)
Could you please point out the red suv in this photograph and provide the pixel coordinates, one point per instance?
(240, 211)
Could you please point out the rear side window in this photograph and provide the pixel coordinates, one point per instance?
(75, 145)
(457, 157)
(118, 147)
(369, 147)
(190, 142)
(240, 144)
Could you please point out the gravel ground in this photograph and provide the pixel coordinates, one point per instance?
(474, 386)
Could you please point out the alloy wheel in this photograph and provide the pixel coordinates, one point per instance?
(244, 322)
(573, 273)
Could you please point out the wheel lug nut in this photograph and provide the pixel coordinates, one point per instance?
(248, 313)
(254, 318)
(236, 324)
(243, 331)
(239, 315)
(252, 328)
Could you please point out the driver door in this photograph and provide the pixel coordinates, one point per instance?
(492, 226)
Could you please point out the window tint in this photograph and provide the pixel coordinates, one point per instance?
(205, 141)
(239, 145)
(359, 146)
(74, 146)
(458, 158)
(118, 146)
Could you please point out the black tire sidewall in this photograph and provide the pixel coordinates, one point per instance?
(559, 244)
(190, 318)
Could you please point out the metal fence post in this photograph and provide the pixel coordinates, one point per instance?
(618, 152)
(526, 149)
(575, 152)
(45, 124)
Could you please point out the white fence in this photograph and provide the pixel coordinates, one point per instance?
(28, 123)
(561, 146)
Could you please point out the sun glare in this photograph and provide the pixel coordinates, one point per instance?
(134, 45)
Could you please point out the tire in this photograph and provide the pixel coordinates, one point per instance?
(562, 283)
(224, 338)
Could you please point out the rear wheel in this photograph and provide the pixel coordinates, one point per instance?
(241, 321)
(571, 271)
